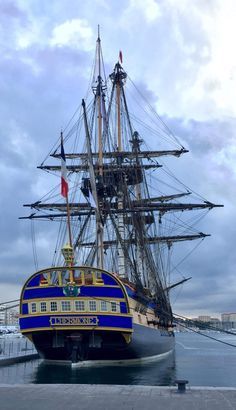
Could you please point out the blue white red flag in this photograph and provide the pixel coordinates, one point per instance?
(64, 182)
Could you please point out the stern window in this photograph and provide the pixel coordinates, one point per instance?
(43, 307)
(114, 307)
(53, 306)
(98, 277)
(79, 305)
(104, 306)
(88, 278)
(92, 305)
(65, 306)
(33, 308)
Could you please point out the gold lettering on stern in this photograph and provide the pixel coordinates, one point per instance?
(74, 321)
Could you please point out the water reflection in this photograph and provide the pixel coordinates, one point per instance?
(156, 373)
(202, 361)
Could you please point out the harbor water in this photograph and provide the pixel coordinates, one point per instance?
(200, 360)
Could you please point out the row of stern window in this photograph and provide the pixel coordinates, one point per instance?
(76, 305)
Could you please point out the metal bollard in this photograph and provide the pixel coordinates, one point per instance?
(181, 385)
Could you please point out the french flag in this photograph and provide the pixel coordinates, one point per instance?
(64, 182)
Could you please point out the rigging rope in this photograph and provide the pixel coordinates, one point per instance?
(208, 327)
(151, 108)
(186, 256)
(210, 337)
(10, 301)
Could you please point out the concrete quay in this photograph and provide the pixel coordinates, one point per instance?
(6, 361)
(112, 397)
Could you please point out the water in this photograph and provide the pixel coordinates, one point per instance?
(200, 360)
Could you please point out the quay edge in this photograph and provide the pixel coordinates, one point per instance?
(74, 396)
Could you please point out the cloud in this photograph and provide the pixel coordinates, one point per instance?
(148, 10)
(10, 10)
(180, 55)
(74, 33)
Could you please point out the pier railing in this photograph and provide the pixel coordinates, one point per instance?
(15, 346)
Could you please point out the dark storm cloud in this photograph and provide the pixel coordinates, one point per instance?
(205, 137)
(202, 138)
(40, 89)
(10, 10)
(209, 170)
(211, 145)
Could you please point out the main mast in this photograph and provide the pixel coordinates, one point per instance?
(100, 102)
(118, 77)
(99, 94)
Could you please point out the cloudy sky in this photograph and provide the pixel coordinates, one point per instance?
(183, 54)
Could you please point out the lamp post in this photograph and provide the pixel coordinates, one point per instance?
(68, 254)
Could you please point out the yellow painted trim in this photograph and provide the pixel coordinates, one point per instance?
(82, 268)
(84, 312)
(118, 329)
(60, 298)
(127, 337)
(79, 286)
(30, 337)
(135, 301)
(142, 324)
(72, 301)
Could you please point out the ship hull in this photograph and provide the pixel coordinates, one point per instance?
(146, 343)
(96, 318)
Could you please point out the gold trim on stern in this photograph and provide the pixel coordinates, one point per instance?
(39, 329)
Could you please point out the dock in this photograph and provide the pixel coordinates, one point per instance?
(16, 350)
(114, 397)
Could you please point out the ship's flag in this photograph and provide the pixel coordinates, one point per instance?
(64, 182)
(121, 57)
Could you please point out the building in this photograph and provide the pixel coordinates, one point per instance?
(211, 321)
(8, 316)
(228, 317)
(204, 318)
(3, 314)
(228, 320)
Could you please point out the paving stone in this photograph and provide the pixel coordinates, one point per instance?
(104, 397)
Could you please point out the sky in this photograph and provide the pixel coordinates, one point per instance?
(181, 52)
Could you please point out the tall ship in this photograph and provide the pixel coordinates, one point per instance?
(106, 295)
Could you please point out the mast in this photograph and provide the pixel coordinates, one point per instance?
(99, 224)
(65, 188)
(100, 258)
(99, 103)
(96, 171)
(136, 142)
(118, 77)
(67, 250)
(68, 222)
